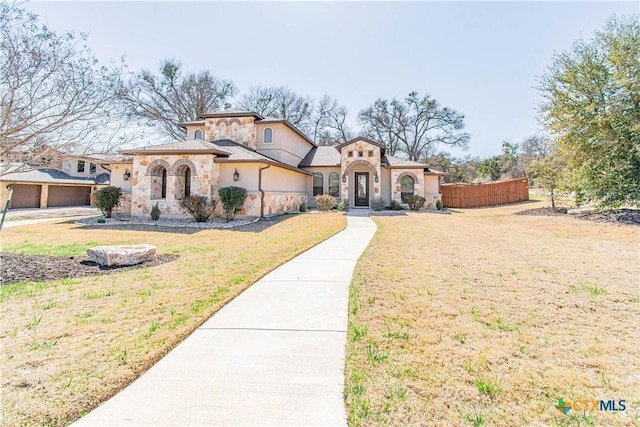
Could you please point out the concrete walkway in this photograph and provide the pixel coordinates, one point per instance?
(272, 356)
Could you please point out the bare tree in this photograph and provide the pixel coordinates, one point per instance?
(280, 102)
(323, 121)
(413, 126)
(168, 99)
(54, 94)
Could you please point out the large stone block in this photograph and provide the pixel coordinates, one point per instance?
(118, 255)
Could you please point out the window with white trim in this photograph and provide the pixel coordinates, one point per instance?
(268, 136)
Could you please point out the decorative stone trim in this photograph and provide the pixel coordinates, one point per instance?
(152, 169)
(180, 162)
(228, 122)
(403, 174)
(361, 162)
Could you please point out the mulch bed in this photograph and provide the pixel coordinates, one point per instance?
(544, 212)
(616, 216)
(16, 268)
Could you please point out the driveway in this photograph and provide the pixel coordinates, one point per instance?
(19, 217)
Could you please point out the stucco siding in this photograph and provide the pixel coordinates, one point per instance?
(287, 146)
(283, 180)
(117, 173)
(431, 184)
(248, 175)
(385, 184)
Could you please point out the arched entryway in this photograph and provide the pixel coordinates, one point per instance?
(360, 183)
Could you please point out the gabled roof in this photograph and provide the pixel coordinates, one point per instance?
(239, 153)
(324, 155)
(288, 124)
(360, 138)
(194, 146)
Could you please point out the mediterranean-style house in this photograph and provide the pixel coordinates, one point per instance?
(276, 163)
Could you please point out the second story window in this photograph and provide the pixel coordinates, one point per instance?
(268, 136)
(80, 165)
(198, 134)
(92, 168)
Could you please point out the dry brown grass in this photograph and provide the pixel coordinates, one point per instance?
(485, 317)
(70, 344)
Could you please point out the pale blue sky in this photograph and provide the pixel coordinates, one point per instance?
(481, 58)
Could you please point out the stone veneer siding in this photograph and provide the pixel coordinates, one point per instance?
(274, 203)
(204, 181)
(365, 162)
(238, 129)
(396, 177)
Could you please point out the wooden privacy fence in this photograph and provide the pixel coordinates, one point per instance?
(479, 195)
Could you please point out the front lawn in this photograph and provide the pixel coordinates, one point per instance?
(486, 317)
(69, 344)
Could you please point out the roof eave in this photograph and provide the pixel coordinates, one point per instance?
(290, 126)
(206, 151)
(222, 114)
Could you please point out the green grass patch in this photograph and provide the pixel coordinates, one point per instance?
(70, 249)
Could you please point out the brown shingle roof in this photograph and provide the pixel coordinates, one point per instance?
(238, 153)
(323, 155)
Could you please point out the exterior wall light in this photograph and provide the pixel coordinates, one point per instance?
(376, 179)
(236, 175)
(344, 178)
(126, 175)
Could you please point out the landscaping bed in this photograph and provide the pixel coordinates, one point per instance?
(16, 268)
(616, 216)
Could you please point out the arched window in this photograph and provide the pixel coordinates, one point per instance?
(182, 182)
(334, 184)
(406, 186)
(158, 182)
(317, 184)
(187, 182)
(198, 134)
(164, 184)
(268, 136)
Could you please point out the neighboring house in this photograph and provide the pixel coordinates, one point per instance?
(277, 164)
(70, 183)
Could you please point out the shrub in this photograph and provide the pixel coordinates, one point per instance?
(107, 199)
(232, 199)
(303, 206)
(325, 202)
(343, 205)
(155, 212)
(395, 206)
(415, 202)
(439, 204)
(378, 204)
(199, 207)
(101, 220)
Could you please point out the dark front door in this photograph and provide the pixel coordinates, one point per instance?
(362, 189)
